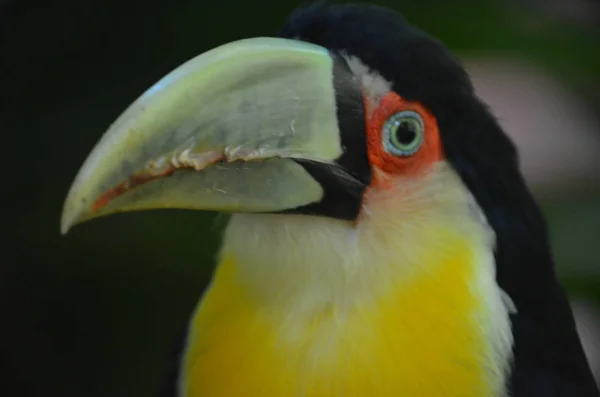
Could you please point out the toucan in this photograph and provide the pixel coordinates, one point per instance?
(382, 239)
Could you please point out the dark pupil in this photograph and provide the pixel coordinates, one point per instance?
(406, 132)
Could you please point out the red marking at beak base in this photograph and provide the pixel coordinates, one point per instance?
(143, 177)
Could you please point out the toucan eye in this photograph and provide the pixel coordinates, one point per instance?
(403, 133)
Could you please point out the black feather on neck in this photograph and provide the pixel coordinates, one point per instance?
(549, 359)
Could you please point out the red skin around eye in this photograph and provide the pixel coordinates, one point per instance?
(390, 164)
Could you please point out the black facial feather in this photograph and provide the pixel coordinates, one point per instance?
(344, 182)
(549, 359)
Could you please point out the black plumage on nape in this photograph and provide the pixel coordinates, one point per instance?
(548, 357)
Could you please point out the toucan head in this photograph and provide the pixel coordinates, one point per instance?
(346, 100)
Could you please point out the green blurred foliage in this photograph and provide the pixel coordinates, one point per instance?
(95, 313)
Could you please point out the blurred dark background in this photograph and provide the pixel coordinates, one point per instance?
(96, 313)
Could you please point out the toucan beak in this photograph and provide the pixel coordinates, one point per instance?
(222, 132)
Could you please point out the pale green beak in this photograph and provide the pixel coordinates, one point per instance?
(221, 132)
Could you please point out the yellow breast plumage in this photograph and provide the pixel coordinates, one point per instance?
(425, 334)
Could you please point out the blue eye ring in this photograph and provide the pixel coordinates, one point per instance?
(403, 133)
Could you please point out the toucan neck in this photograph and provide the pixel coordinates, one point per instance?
(401, 232)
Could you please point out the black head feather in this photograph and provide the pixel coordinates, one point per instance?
(549, 359)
